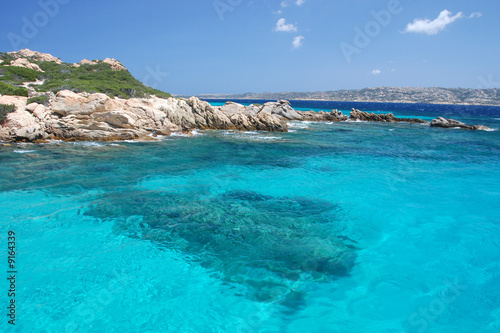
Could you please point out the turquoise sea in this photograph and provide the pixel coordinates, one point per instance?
(331, 227)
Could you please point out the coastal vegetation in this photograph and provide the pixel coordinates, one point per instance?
(93, 77)
(7, 89)
(4, 109)
(18, 75)
(44, 100)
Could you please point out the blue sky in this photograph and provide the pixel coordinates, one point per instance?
(236, 46)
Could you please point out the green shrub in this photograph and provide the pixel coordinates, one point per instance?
(44, 99)
(89, 78)
(4, 109)
(22, 74)
(7, 89)
(94, 78)
(7, 58)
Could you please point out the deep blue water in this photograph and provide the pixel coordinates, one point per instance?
(332, 227)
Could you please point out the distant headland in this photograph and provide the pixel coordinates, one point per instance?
(490, 96)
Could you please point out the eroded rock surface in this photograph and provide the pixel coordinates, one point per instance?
(452, 123)
(72, 116)
(385, 117)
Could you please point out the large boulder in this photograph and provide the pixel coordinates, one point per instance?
(115, 64)
(22, 62)
(23, 126)
(281, 109)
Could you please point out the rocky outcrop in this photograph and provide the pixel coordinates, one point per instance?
(452, 123)
(22, 62)
(283, 111)
(113, 63)
(83, 116)
(87, 62)
(37, 56)
(334, 115)
(73, 116)
(385, 117)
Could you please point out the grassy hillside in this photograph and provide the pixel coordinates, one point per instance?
(89, 78)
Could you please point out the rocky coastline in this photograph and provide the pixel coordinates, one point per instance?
(40, 115)
(73, 116)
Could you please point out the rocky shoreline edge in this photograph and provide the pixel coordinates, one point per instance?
(71, 116)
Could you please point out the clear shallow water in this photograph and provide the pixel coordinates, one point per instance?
(334, 227)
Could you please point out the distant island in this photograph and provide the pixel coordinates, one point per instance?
(436, 95)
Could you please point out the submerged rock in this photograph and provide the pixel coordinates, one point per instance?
(269, 245)
(452, 123)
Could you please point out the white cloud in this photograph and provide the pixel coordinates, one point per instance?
(375, 72)
(278, 12)
(286, 3)
(475, 15)
(282, 26)
(297, 42)
(426, 26)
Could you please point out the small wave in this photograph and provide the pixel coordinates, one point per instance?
(179, 134)
(157, 136)
(194, 132)
(250, 136)
(89, 144)
(23, 151)
(51, 142)
(302, 125)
